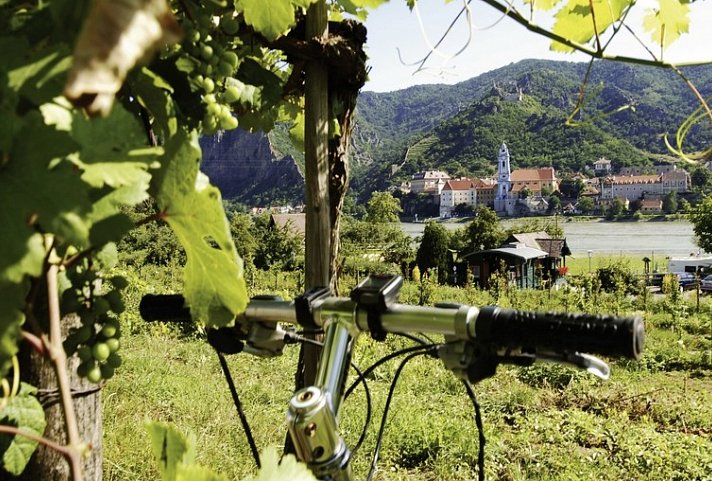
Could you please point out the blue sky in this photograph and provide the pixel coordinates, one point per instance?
(495, 42)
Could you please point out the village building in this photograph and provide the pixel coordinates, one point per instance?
(429, 181)
(602, 167)
(647, 169)
(486, 190)
(456, 192)
(651, 205)
(634, 187)
(294, 223)
(521, 191)
(527, 260)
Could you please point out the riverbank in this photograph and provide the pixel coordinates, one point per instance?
(652, 238)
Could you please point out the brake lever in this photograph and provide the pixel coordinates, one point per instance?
(590, 363)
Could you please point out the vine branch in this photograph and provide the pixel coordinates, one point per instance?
(59, 362)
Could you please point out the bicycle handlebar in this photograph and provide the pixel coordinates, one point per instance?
(493, 326)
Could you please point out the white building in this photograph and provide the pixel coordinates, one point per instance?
(456, 192)
(429, 181)
(634, 187)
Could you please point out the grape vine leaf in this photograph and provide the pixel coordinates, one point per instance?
(45, 190)
(358, 7)
(198, 473)
(274, 469)
(575, 20)
(12, 303)
(667, 22)
(215, 288)
(25, 412)
(171, 448)
(543, 4)
(270, 22)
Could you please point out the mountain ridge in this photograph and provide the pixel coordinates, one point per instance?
(459, 127)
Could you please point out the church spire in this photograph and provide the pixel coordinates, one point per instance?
(504, 177)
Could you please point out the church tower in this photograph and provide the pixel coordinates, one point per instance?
(504, 180)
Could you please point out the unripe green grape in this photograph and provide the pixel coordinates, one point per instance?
(208, 85)
(84, 333)
(84, 368)
(229, 25)
(213, 60)
(230, 57)
(100, 351)
(194, 36)
(107, 372)
(114, 360)
(228, 122)
(231, 94)
(84, 353)
(225, 69)
(210, 124)
(113, 344)
(213, 108)
(206, 51)
(94, 375)
(108, 331)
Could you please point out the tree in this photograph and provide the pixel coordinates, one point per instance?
(701, 178)
(484, 232)
(701, 218)
(670, 203)
(382, 207)
(433, 252)
(586, 205)
(616, 208)
(554, 204)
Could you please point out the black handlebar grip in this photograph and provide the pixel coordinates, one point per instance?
(562, 332)
(164, 307)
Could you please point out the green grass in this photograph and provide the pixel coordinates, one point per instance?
(652, 420)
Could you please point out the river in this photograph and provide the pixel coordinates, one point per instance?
(663, 238)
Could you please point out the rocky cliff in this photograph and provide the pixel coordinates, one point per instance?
(247, 169)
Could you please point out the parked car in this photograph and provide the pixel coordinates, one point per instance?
(706, 284)
(687, 280)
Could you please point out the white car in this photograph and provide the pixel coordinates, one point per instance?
(706, 283)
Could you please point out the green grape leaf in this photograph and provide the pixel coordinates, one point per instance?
(113, 149)
(25, 412)
(303, 3)
(215, 289)
(43, 190)
(198, 473)
(543, 4)
(12, 304)
(575, 22)
(154, 93)
(358, 7)
(171, 448)
(270, 22)
(296, 132)
(274, 469)
(667, 22)
(41, 79)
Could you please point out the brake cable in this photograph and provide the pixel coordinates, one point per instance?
(391, 391)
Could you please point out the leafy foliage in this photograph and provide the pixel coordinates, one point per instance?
(701, 218)
(25, 411)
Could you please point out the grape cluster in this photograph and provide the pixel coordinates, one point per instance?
(97, 340)
(208, 47)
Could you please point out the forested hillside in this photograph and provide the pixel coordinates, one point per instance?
(626, 112)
